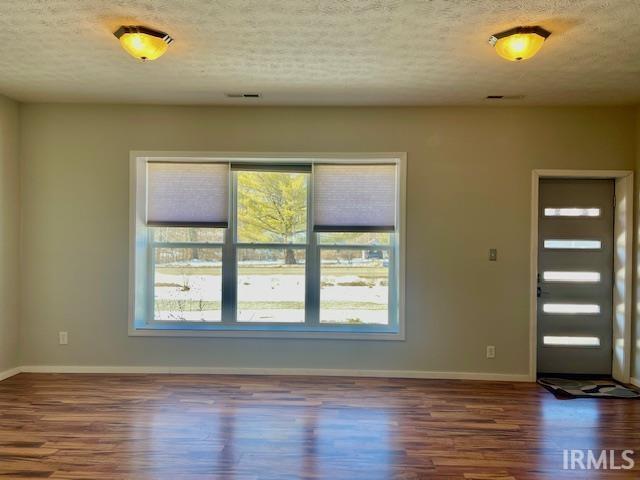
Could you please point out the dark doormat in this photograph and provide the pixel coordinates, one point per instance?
(565, 388)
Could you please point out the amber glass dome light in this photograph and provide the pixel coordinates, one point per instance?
(519, 43)
(143, 43)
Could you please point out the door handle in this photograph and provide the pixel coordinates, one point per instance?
(539, 289)
(541, 292)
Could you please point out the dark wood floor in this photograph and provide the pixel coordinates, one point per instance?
(238, 427)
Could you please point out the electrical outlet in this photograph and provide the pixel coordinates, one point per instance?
(491, 351)
(63, 338)
(493, 254)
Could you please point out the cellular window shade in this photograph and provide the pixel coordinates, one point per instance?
(354, 198)
(188, 194)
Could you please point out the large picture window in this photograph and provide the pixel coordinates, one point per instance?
(283, 246)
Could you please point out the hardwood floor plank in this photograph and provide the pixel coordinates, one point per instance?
(195, 427)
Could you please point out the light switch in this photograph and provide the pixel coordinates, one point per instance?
(493, 254)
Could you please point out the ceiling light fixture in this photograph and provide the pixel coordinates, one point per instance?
(519, 43)
(143, 43)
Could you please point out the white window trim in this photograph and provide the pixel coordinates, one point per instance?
(138, 243)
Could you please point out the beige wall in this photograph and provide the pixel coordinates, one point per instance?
(469, 177)
(9, 234)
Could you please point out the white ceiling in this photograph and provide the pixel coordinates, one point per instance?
(321, 52)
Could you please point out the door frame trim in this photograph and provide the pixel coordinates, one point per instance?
(622, 266)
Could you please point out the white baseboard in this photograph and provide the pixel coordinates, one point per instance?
(9, 373)
(634, 381)
(504, 377)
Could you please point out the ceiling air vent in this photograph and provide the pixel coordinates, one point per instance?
(243, 95)
(505, 97)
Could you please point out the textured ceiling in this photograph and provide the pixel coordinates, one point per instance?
(322, 52)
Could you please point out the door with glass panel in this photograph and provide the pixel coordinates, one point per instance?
(575, 276)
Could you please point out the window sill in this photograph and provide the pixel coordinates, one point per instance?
(257, 331)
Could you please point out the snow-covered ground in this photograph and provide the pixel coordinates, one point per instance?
(281, 297)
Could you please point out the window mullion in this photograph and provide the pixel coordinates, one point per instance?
(312, 283)
(355, 246)
(312, 267)
(186, 245)
(151, 285)
(272, 246)
(393, 283)
(229, 262)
